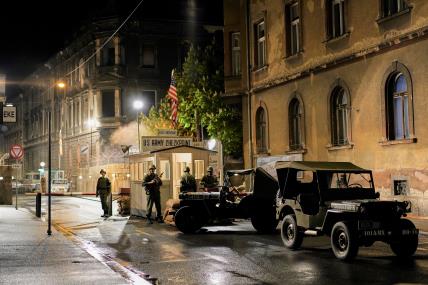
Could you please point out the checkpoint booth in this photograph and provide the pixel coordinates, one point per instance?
(171, 161)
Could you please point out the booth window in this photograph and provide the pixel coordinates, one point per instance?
(165, 169)
(199, 169)
(140, 171)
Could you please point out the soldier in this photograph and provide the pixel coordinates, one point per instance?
(188, 182)
(104, 190)
(152, 183)
(209, 181)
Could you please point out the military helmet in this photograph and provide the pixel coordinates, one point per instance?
(152, 167)
(187, 169)
(210, 169)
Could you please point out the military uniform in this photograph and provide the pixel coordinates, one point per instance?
(152, 183)
(103, 190)
(209, 181)
(187, 183)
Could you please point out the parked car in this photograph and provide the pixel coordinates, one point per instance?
(60, 185)
(338, 199)
(248, 193)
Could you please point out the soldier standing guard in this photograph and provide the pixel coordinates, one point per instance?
(152, 183)
(103, 190)
(188, 182)
(209, 181)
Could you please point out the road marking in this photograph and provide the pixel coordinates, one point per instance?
(143, 233)
(117, 265)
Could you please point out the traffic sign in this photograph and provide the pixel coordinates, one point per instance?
(16, 151)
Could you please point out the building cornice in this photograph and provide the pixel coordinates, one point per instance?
(348, 57)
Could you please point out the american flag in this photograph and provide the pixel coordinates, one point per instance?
(172, 94)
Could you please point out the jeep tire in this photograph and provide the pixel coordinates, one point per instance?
(405, 246)
(291, 236)
(187, 220)
(344, 241)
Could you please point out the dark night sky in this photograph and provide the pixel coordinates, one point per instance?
(32, 31)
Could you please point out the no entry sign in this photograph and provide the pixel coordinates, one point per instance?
(16, 151)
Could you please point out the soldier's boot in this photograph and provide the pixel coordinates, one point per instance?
(159, 220)
(149, 220)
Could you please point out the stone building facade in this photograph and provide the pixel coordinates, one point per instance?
(102, 77)
(334, 80)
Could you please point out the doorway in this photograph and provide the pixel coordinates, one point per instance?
(179, 163)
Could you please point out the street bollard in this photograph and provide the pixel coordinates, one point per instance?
(39, 205)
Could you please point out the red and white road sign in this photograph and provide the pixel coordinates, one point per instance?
(16, 151)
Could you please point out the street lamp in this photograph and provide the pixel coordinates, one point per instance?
(91, 123)
(138, 105)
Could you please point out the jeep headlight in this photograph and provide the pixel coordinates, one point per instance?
(363, 210)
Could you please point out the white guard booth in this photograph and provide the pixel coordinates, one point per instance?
(171, 162)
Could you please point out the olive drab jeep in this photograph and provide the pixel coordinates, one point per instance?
(247, 194)
(338, 199)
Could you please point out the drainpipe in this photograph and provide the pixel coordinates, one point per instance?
(248, 91)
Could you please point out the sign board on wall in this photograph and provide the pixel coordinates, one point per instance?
(9, 114)
(156, 143)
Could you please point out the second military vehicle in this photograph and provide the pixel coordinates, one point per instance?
(338, 199)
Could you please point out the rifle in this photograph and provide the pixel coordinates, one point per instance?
(153, 181)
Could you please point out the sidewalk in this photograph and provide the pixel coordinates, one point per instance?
(29, 256)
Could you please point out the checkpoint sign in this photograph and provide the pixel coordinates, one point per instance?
(16, 151)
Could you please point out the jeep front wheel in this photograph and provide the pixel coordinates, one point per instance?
(187, 220)
(291, 236)
(405, 245)
(344, 242)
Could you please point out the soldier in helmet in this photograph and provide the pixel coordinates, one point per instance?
(104, 190)
(152, 183)
(188, 182)
(209, 181)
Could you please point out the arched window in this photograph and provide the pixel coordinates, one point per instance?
(397, 107)
(295, 116)
(340, 106)
(261, 130)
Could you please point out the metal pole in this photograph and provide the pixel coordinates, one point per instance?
(90, 151)
(49, 173)
(138, 129)
(16, 190)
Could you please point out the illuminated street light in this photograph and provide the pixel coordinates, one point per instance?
(211, 144)
(1, 178)
(42, 164)
(60, 85)
(138, 105)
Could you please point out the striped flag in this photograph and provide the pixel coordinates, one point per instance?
(172, 94)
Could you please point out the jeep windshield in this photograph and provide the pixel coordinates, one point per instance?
(345, 185)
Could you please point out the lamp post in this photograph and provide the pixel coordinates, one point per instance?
(60, 85)
(91, 123)
(138, 105)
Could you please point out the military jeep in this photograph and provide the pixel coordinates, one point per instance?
(248, 193)
(338, 199)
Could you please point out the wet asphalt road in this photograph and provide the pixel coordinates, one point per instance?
(232, 254)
